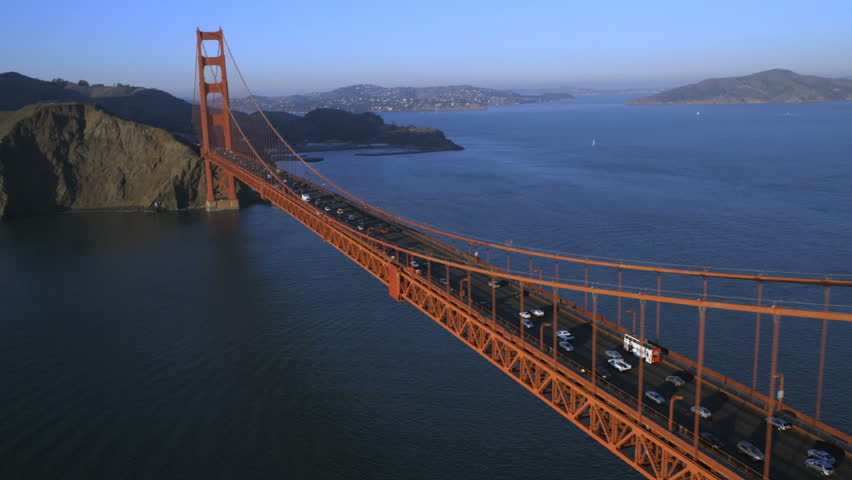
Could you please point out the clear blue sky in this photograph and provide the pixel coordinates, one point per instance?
(314, 45)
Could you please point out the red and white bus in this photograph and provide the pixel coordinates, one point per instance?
(647, 351)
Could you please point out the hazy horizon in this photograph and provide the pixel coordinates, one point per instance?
(329, 44)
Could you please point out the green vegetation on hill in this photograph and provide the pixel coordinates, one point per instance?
(771, 86)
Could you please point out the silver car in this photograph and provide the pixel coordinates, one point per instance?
(565, 335)
(528, 323)
(701, 411)
(619, 364)
(676, 381)
(819, 466)
(525, 315)
(613, 354)
(822, 455)
(538, 313)
(750, 450)
(779, 423)
(656, 397)
(564, 345)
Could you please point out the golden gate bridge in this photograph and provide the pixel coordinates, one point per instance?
(667, 415)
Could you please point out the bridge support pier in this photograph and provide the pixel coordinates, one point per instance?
(221, 189)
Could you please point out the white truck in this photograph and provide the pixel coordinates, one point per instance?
(644, 350)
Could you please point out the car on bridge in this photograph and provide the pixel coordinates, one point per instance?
(655, 397)
(564, 345)
(613, 354)
(712, 440)
(414, 263)
(822, 455)
(537, 313)
(528, 323)
(701, 411)
(619, 364)
(779, 423)
(820, 467)
(564, 335)
(604, 372)
(525, 315)
(750, 450)
(676, 380)
(327, 209)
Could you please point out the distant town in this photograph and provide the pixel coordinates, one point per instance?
(373, 98)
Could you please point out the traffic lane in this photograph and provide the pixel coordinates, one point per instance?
(748, 425)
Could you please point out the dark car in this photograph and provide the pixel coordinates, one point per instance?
(604, 373)
(712, 440)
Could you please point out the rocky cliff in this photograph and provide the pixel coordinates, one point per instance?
(55, 157)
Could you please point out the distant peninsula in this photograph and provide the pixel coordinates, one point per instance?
(771, 86)
(373, 98)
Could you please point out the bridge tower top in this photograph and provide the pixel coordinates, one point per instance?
(217, 116)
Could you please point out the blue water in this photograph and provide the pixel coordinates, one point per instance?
(239, 345)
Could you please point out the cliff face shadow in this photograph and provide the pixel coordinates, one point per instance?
(31, 179)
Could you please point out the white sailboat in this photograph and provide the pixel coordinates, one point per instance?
(593, 142)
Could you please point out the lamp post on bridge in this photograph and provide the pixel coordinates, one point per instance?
(634, 319)
(671, 409)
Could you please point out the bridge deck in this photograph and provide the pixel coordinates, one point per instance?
(734, 417)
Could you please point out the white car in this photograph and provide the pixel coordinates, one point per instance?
(525, 315)
(613, 354)
(327, 209)
(824, 469)
(443, 281)
(360, 228)
(656, 397)
(538, 313)
(619, 364)
(528, 323)
(564, 335)
(414, 264)
(495, 283)
(702, 411)
(779, 423)
(566, 346)
(822, 455)
(750, 450)
(306, 197)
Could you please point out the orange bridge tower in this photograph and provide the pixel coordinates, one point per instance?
(215, 122)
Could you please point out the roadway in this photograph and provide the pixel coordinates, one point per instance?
(732, 419)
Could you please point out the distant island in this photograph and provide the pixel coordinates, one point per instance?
(372, 98)
(771, 86)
